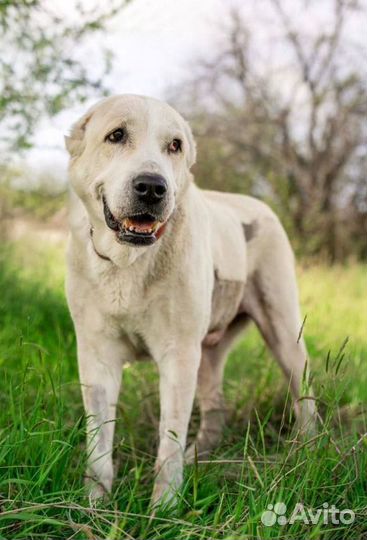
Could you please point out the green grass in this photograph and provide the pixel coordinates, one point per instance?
(258, 463)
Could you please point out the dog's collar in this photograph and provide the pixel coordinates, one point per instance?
(94, 247)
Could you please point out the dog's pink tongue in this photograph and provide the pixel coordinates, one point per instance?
(143, 227)
(139, 226)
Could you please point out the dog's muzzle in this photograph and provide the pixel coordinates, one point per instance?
(141, 229)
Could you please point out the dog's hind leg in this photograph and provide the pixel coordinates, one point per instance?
(271, 299)
(210, 391)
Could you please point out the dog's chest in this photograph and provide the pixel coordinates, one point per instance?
(121, 295)
(125, 307)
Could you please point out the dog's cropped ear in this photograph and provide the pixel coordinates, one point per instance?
(75, 141)
(191, 154)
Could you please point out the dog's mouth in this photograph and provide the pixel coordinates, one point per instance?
(140, 229)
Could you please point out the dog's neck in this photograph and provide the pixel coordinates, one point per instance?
(103, 257)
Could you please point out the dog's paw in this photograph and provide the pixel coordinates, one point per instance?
(164, 495)
(96, 492)
(306, 430)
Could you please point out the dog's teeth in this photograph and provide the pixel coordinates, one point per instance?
(141, 229)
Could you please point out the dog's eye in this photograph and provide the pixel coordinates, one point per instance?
(116, 136)
(175, 146)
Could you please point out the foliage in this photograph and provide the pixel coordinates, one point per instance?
(293, 134)
(38, 203)
(258, 463)
(41, 70)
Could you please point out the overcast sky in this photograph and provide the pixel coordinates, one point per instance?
(156, 42)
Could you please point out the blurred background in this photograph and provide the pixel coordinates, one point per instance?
(275, 91)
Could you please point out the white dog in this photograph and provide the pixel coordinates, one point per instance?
(157, 267)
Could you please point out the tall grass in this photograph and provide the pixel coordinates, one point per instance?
(260, 461)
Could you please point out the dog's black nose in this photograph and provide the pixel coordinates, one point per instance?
(150, 188)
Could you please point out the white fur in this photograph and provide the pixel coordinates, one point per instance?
(158, 300)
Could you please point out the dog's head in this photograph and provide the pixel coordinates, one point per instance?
(130, 161)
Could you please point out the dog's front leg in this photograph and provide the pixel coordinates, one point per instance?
(100, 362)
(178, 375)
